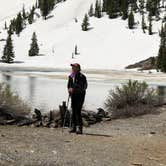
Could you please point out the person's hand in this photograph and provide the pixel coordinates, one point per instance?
(70, 90)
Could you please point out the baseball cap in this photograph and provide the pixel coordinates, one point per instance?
(76, 65)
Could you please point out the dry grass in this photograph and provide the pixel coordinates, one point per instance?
(12, 101)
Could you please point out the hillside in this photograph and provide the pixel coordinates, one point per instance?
(109, 44)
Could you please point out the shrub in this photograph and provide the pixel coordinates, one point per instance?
(132, 99)
(12, 101)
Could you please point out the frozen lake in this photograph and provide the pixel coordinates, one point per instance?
(46, 90)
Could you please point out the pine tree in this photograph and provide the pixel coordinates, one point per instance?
(124, 9)
(134, 5)
(36, 4)
(143, 24)
(98, 9)
(13, 25)
(34, 48)
(141, 6)
(161, 59)
(112, 8)
(10, 30)
(104, 7)
(44, 9)
(31, 15)
(152, 6)
(91, 11)
(85, 24)
(19, 24)
(76, 50)
(5, 25)
(150, 25)
(23, 13)
(131, 21)
(8, 53)
(46, 6)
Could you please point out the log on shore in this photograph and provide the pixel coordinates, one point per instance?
(53, 119)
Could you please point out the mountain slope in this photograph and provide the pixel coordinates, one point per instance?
(108, 45)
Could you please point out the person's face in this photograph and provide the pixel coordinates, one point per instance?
(75, 69)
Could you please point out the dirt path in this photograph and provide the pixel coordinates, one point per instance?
(133, 141)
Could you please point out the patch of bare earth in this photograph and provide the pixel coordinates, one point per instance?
(137, 141)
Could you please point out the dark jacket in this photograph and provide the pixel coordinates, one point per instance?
(78, 83)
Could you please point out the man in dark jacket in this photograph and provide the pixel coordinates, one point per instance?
(77, 85)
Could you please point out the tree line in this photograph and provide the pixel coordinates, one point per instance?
(126, 9)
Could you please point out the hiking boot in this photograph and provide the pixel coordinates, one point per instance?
(79, 130)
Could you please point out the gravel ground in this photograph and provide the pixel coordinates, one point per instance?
(137, 141)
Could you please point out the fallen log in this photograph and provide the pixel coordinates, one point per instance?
(53, 119)
(10, 117)
(7, 122)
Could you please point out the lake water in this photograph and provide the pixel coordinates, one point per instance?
(47, 90)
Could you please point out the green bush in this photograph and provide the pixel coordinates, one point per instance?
(132, 99)
(12, 101)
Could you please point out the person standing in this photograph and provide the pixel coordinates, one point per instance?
(77, 85)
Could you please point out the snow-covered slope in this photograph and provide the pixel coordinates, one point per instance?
(108, 45)
(10, 8)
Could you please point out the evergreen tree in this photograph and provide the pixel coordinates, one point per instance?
(104, 7)
(44, 9)
(153, 61)
(131, 21)
(46, 6)
(23, 13)
(134, 5)
(91, 11)
(76, 50)
(85, 24)
(141, 6)
(8, 53)
(143, 24)
(161, 59)
(12, 27)
(150, 25)
(112, 8)
(31, 15)
(98, 9)
(34, 48)
(10, 31)
(152, 6)
(6, 25)
(124, 9)
(36, 4)
(19, 24)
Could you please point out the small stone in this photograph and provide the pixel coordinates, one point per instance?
(153, 132)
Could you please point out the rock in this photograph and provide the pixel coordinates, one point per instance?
(137, 164)
(146, 64)
(153, 132)
(85, 114)
(85, 122)
(51, 119)
(37, 124)
(38, 114)
(55, 115)
(106, 119)
(53, 125)
(101, 112)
